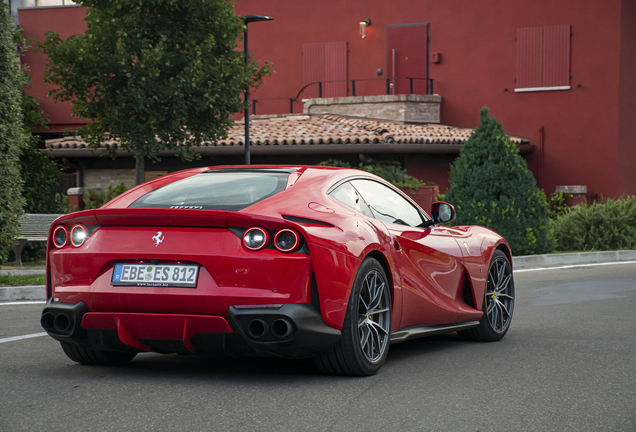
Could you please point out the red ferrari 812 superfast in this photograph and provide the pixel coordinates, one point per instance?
(290, 261)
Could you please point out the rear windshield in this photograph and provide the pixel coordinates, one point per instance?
(216, 191)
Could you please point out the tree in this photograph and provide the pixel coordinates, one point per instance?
(40, 173)
(11, 136)
(389, 171)
(490, 185)
(155, 74)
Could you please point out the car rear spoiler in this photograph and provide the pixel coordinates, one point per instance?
(162, 217)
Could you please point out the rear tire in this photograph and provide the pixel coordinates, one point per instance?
(90, 356)
(498, 303)
(364, 343)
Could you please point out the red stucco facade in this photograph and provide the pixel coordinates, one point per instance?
(583, 136)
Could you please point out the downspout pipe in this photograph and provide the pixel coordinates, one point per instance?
(79, 172)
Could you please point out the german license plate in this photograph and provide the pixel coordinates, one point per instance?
(157, 275)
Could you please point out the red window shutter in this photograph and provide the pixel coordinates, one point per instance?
(529, 57)
(313, 68)
(556, 55)
(335, 69)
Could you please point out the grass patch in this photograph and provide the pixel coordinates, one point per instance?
(21, 280)
(41, 265)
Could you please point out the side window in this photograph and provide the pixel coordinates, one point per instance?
(349, 196)
(386, 204)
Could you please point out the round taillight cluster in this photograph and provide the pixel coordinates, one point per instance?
(78, 235)
(60, 237)
(285, 240)
(255, 238)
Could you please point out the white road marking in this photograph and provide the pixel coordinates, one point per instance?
(574, 266)
(22, 302)
(15, 338)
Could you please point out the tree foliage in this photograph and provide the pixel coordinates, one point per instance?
(557, 206)
(95, 198)
(610, 225)
(39, 171)
(391, 172)
(491, 185)
(156, 75)
(11, 135)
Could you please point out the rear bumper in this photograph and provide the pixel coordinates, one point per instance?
(293, 330)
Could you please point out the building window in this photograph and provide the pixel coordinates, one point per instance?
(543, 58)
(325, 62)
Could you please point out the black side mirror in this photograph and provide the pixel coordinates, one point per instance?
(442, 212)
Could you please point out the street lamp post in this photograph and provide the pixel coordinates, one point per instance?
(249, 19)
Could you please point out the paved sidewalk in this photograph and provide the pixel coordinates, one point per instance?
(554, 260)
(31, 292)
(38, 292)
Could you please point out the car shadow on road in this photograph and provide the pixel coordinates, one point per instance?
(222, 367)
(425, 346)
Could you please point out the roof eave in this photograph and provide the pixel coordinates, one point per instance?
(295, 149)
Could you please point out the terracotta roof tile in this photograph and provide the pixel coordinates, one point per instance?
(325, 129)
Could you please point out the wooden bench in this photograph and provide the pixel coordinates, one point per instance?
(33, 228)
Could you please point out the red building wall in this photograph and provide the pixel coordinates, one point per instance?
(627, 101)
(477, 44)
(35, 22)
(587, 130)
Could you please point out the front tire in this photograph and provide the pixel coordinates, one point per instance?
(364, 343)
(90, 356)
(498, 304)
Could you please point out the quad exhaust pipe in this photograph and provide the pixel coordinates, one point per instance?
(280, 328)
(61, 323)
(257, 328)
(47, 321)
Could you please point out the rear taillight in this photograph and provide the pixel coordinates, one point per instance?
(255, 238)
(60, 237)
(286, 240)
(78, 235)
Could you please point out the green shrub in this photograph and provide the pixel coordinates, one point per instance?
(491, 185)
(11, 135)
(39, 171)
(21, 280)
(389, 171)
(557, 206)
(610, 225)
(95, 198)
(40, 174)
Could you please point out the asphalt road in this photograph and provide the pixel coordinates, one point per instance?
(568, 363)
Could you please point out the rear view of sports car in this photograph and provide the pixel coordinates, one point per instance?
(296, 262)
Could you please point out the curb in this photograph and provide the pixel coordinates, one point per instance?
(32, 292)
(21, 272)
(548, 260)
(38, 292)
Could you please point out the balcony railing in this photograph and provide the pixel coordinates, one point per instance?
(396, 85)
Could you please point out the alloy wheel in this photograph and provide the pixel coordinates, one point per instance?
(500, 295)
(374, 316)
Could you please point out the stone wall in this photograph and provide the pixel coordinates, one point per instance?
(102, 178)
(398, 108)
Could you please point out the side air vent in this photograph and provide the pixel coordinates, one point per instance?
(315, 300)
(467, 292)
(306, 220)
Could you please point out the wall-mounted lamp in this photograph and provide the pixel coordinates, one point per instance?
(363, 27)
